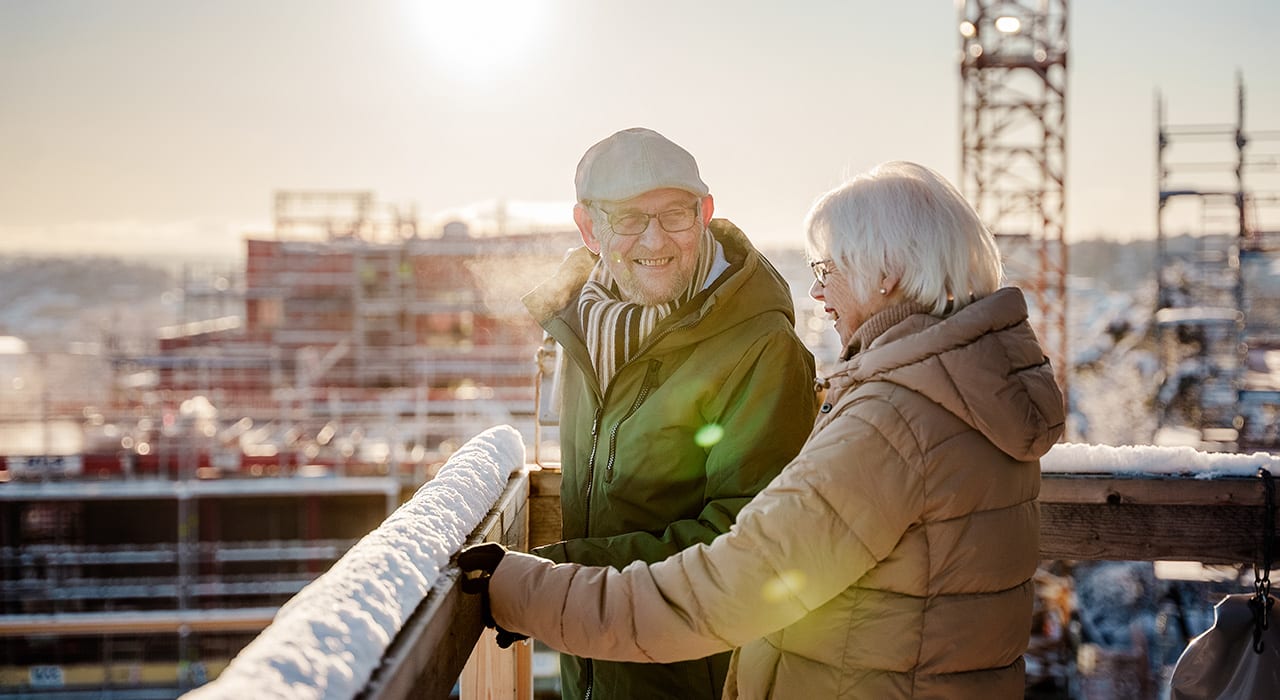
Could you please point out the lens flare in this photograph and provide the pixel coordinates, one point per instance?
(786, 584)
(708, 435)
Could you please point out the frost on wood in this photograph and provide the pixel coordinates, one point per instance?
(1069, 458)
(329, 638)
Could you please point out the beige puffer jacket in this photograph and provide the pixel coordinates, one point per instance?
(891, 559)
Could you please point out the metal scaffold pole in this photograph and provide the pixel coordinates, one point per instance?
(1013, 127)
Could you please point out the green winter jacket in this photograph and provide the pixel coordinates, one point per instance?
(717, 401)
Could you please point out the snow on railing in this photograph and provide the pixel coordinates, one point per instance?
(328, 640)
(1080, 458)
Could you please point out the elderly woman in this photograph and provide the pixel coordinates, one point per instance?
(893, 557)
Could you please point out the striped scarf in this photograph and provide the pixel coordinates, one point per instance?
(615, 328)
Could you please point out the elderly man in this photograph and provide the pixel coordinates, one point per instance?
(686, 389)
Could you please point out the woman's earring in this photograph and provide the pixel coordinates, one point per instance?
(882, 291)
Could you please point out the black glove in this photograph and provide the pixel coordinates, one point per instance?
(478, 562)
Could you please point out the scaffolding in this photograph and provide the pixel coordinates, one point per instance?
(326, 215)
(139, 587)
(242, 450)
(348, 339)
(1217, 293)
(1013, 71)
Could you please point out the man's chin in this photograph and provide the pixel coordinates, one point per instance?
(652, 300)
(650, 294)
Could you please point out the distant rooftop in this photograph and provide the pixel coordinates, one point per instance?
(12, 345)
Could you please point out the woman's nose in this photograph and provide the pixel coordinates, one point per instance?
(816, 291)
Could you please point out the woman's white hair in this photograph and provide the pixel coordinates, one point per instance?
(905, 220)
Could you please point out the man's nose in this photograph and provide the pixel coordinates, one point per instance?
(653, 233)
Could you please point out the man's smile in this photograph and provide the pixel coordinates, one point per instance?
(653, 262)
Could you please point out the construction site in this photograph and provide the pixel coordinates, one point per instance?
(161, 499)
(245, 449)
(345, 318)
(1218, 283)
(1216, 318)
(1217, 214)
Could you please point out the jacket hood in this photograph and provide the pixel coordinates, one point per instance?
(751, 283)
(983, 364)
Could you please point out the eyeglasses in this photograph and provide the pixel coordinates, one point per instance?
(636, 223)
(821, 269)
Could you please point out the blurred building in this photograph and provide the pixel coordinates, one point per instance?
(221, 467)
(1218, 295)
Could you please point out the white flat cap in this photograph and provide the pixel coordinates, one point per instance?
(632, 162)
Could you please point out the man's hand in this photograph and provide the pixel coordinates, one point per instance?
(478, 562)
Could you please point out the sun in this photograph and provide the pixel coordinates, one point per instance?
(475, 38)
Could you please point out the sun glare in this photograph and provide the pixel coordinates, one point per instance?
(475, 38)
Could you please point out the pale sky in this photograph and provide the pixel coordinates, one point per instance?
(165, 126)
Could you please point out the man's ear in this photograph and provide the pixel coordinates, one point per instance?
(708, 208)
(586, 226)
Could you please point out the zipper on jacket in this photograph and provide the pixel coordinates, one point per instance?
(591, 472)
(586, 519)
(647, 385)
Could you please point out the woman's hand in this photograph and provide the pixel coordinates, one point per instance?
(478, 562)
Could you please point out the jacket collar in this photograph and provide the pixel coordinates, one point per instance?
(878, 324)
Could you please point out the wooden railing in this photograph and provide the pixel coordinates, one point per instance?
(445, 640)
(1178, 518)
(1083, 517)
(387, 620)
(438, 645)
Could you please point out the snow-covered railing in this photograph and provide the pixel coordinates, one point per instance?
(1153, 461)
(342, 636)
(1145, 503)
(390, 622)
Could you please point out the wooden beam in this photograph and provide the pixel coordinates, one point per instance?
(1209, 534)
(1087, 516)
(431, 649)
(492, 672)
(1145, 490)
(1215, 521)
(544, 507)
